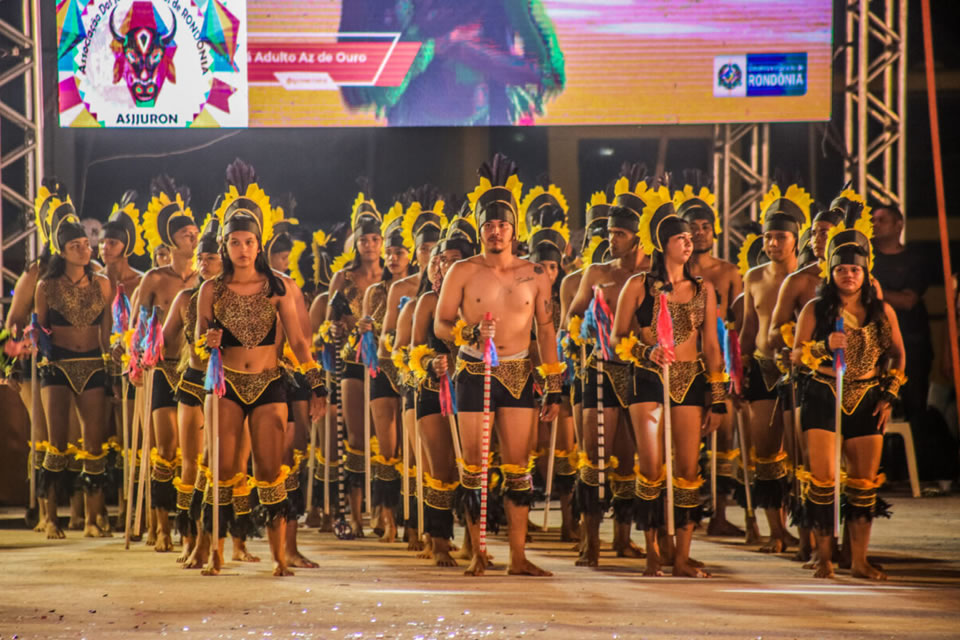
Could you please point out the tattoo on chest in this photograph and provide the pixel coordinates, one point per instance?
(526, 279)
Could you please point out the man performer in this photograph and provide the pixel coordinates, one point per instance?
(515, 295)
(168, 221)
(784, 217)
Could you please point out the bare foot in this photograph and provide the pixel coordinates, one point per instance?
(164, 543)
(326, 525)
(443, 559)
(104, 523)
(426, 554)
(653, 569)
(802, 555)
(695, 563)
(281, 570)
(300, 561)
(415, 544)
(54, 532)
(824, 570)
(188, 545)
(389, 535)
(723, 528)
(631, 550)
(213, 568)
(75, 524)
(314, 518)
(93, 531)
(240, 553)
(868, 572)
(357, 527)
(463, 554)
(151, 538)
(687, 570)
(778, 544)
(589, 554)
(478, 565)
(526, 568)
(40, 527)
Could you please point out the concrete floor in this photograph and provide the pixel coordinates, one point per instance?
(81, 588)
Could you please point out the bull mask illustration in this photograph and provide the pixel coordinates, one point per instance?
(144, 53)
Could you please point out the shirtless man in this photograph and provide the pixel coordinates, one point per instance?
(784, 218)
(500, 297)
(697, 209)
(121, 237)
(168, 221)
(628, 259)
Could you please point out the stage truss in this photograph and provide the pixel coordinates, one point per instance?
(23, 156)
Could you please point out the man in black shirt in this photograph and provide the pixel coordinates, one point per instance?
(903, 273)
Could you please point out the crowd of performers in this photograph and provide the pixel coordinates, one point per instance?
(449, 361)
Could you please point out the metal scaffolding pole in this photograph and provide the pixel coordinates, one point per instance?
(741, 175)
(21, 43)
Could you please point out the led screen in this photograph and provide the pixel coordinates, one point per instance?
(314, 63)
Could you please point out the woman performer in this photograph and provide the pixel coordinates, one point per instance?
(548, 244)
(17, 321)
(178, 332)
(237, 313)
(73, 304)
(355, 271)
(431, 362)
(690, 301)
(875, 361)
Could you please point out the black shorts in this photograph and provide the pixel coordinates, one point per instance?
(352, 371)
(756, 386)
(190, 391)
(428, 403)
(617, 386)
(163, 394)
(469, 390)
(90, 375)
(382, 387)
(647, 387)
(577, 391)
(819, 405)
(274, 393)
(409, 399)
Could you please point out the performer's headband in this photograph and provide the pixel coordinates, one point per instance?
(496, 203)
(781, 221)
(667, 227)
(624, 218)
(697, 209)
(630, 201)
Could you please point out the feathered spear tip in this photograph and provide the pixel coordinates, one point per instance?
(563, 355)
(448, 399)
(240, 175)
(214, 380)
(498, 170)
(722, 339)
(121, 311)
(39, 336)
(152, 343)
(490, 356)
(839, 359)
(665, 329)
(735, 367)
(597, 323)
(165, 184)
(368, 352)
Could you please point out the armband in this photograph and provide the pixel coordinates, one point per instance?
(314, 376)
(552, 373)
(787, 333)
(718, 381)
(630, 349)
(200, 347)
(891, 383)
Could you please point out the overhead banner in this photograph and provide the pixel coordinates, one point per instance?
(330, 63)
(152, 63)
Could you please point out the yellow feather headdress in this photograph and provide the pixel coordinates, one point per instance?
(293, 262)
(127, 214)
(687, 196)
(362, 208)
(536, 199)
(860, 237)
(416, 218)
(750, 254)
(594, 251)
(654, 212)
(50, 197)
(251, 202)
(157, 208)
(549, 243)
(499, 184)
(795, 202)
(321, 266)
